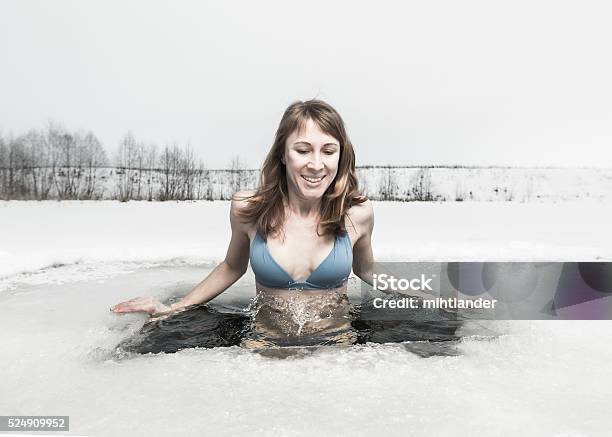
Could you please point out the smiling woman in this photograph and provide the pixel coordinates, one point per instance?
(313, 156)
(303, 230)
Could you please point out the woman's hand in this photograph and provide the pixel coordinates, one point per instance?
(148, 305)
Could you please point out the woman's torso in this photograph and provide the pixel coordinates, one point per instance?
(301, 281)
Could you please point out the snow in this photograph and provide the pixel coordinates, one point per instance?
(534, 378)
(38, 235)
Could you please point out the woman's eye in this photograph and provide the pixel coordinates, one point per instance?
(301, 152)
(329, 152)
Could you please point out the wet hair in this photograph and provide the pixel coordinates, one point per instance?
(266, 207)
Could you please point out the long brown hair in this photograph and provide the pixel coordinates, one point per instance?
(266, 207)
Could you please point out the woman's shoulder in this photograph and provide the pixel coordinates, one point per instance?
(239, 217)
(362, 211)
(361, 216)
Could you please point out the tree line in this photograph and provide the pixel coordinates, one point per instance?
(50, 163)
(54, 163)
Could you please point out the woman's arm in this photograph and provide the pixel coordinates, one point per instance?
(362, 216)
(220, 279)
(364, 265)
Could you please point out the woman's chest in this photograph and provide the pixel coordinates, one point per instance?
(299, 251)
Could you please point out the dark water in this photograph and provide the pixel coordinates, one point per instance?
(228, 324)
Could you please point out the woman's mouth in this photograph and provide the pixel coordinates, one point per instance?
(313, 181)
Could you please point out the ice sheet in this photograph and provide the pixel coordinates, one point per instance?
(57, 335)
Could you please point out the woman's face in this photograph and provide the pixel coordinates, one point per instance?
(311, 157)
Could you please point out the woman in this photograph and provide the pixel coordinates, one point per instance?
(302, 230)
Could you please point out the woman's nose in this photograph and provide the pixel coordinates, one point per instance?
(316, 163)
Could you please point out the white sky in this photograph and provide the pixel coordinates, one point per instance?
(440, 82)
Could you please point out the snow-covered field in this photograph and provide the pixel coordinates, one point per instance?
(64, 264)
(37, 235)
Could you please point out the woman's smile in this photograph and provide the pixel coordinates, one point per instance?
(313, 181)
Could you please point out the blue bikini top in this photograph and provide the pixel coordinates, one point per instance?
(333, 271)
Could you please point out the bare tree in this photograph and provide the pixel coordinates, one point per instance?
(53, 134)
(151, 162)
(421, 186)
(388, 184)
(140, 159)
(19, 165)
(43, 160)
(187, 171)
(3, 169)
(10, 170)
(31, 161)
(78, 170)
(170, 161)
(93, 156)
(63, 158)
(202, 182)
(237, 173)
(68, 154)
(125, 161)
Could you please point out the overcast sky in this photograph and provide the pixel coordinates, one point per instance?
(439, 82)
